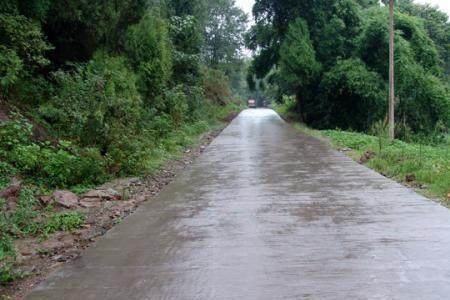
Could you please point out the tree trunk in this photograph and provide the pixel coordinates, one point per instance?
(301, 107)
(391, 72)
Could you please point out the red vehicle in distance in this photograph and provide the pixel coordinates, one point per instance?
(251, 103)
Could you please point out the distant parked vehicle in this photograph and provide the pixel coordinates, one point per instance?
(251, 103)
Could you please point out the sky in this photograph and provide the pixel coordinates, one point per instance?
(444, 5)
(246, 5)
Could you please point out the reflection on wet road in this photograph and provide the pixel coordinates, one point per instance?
(269, 213)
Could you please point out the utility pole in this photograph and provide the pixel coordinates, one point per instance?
(391, 72)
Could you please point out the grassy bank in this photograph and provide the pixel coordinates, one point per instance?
(422, 166)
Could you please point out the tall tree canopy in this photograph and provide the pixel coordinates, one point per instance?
(224, 31)
(99, 72)
(333, 56)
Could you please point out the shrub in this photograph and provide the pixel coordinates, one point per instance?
(149, 49)
(68, 221)
(216, 86)
(424, 99)
(22, 48)
(16, 132)
(61, 165)
(23, 217)
(91, 167)
(352, 96)
(96, 104)
(10, 67)
(176, 104)
(25, 37)
(128, 157)
(186, 36)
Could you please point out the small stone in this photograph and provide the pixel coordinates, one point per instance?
(90, 202)
(11, 204)
(60, 258)
(45, 200)
(13, 190)
(27, 270)
(368, 155)
(66, 199)
(410, 178)
(105, 195)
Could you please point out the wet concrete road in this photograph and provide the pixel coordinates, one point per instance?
(268, 213)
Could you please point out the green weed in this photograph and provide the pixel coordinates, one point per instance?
(63, 222)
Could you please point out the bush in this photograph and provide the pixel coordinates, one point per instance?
(176, 105)
(128, 157)
(149, 49)
(22, 48)
(423, 95)
(67, 221)
(186, 36)
(61, 165)
(216, 86)
(352, 96)
(24, 37)
(424, 99)
(10, 67)
(25, 213)
(16, 132)
(97, 104)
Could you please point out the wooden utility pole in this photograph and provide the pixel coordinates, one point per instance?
(391, 72)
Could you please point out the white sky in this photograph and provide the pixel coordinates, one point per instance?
(246, 5)
(444, 5)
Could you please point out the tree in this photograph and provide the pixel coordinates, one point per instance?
(78, 28)
(298, 64)
(186, 27)
(436, 24)
(22, 48)
(351, 96)
(344, 34)
(224, 31)
(149, 48)
(391, 72)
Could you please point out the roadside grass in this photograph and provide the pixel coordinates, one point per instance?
(420, 166)
(423, 166)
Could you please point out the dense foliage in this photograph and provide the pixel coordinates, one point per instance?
(333, 56)
(113, 79)
(93, 89)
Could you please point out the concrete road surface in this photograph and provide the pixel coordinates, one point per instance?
(269, 213)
